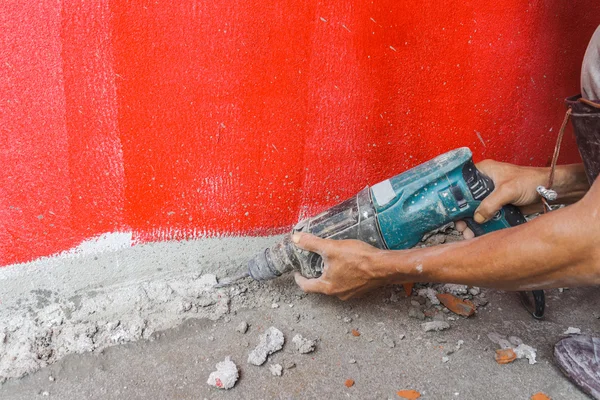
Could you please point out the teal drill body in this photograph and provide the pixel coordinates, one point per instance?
(432, 195)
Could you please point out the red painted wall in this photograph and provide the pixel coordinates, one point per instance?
(184, 119)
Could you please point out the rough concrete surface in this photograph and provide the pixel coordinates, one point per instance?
(139, 305)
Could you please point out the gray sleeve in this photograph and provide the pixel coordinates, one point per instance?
(590, 70)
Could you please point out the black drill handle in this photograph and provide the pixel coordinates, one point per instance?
(512, 216)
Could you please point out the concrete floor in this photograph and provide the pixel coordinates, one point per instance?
(175, 364)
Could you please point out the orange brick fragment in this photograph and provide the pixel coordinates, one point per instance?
(505, 356)
(355, 332)
(349, 382)
(457, 305)
(408, 394)
(540, 396)
(408, 287)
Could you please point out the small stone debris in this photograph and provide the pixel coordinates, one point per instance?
(347, 320)
(513, 346)
(225, 376)
(499, 340)
(45, 393)
(445, 359)
(401, 336)
(455, 289)
(303, 345)
(474, 291)
(289, 364)
(352, 361)
(51, 378)
(429, 294)
(572, 331)
(389, 342)
(242, 327)
(274, 305)
(435, 326)
(276, 369)
(480, 301)
(515, 341)
(416, 313)
(269, 342)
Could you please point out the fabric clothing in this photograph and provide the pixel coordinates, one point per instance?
(590, 70)
(586, 118)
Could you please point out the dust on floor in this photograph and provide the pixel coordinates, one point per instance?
(391, 352)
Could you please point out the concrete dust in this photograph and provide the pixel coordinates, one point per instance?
(72, 329)
(176, 363)
(96, 301)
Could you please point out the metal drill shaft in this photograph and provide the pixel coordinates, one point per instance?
(231, 280)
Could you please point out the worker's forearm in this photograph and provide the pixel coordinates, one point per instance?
(570, 182)
(555, 250)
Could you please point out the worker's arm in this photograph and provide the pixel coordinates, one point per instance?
(559, 249)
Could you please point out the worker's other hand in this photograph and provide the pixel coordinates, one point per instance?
(513, 185)
(347, 270)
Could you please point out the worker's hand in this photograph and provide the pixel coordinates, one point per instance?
(513, 185)
(348, 266)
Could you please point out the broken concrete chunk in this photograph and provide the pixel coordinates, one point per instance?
(242, 327)
(275, 369)
(572, 331)
(525, 351)
(225, 376)
(303, 345)
(474, 291)
(269, 342)
(435, 326)
(429, 294)
(455, 289)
